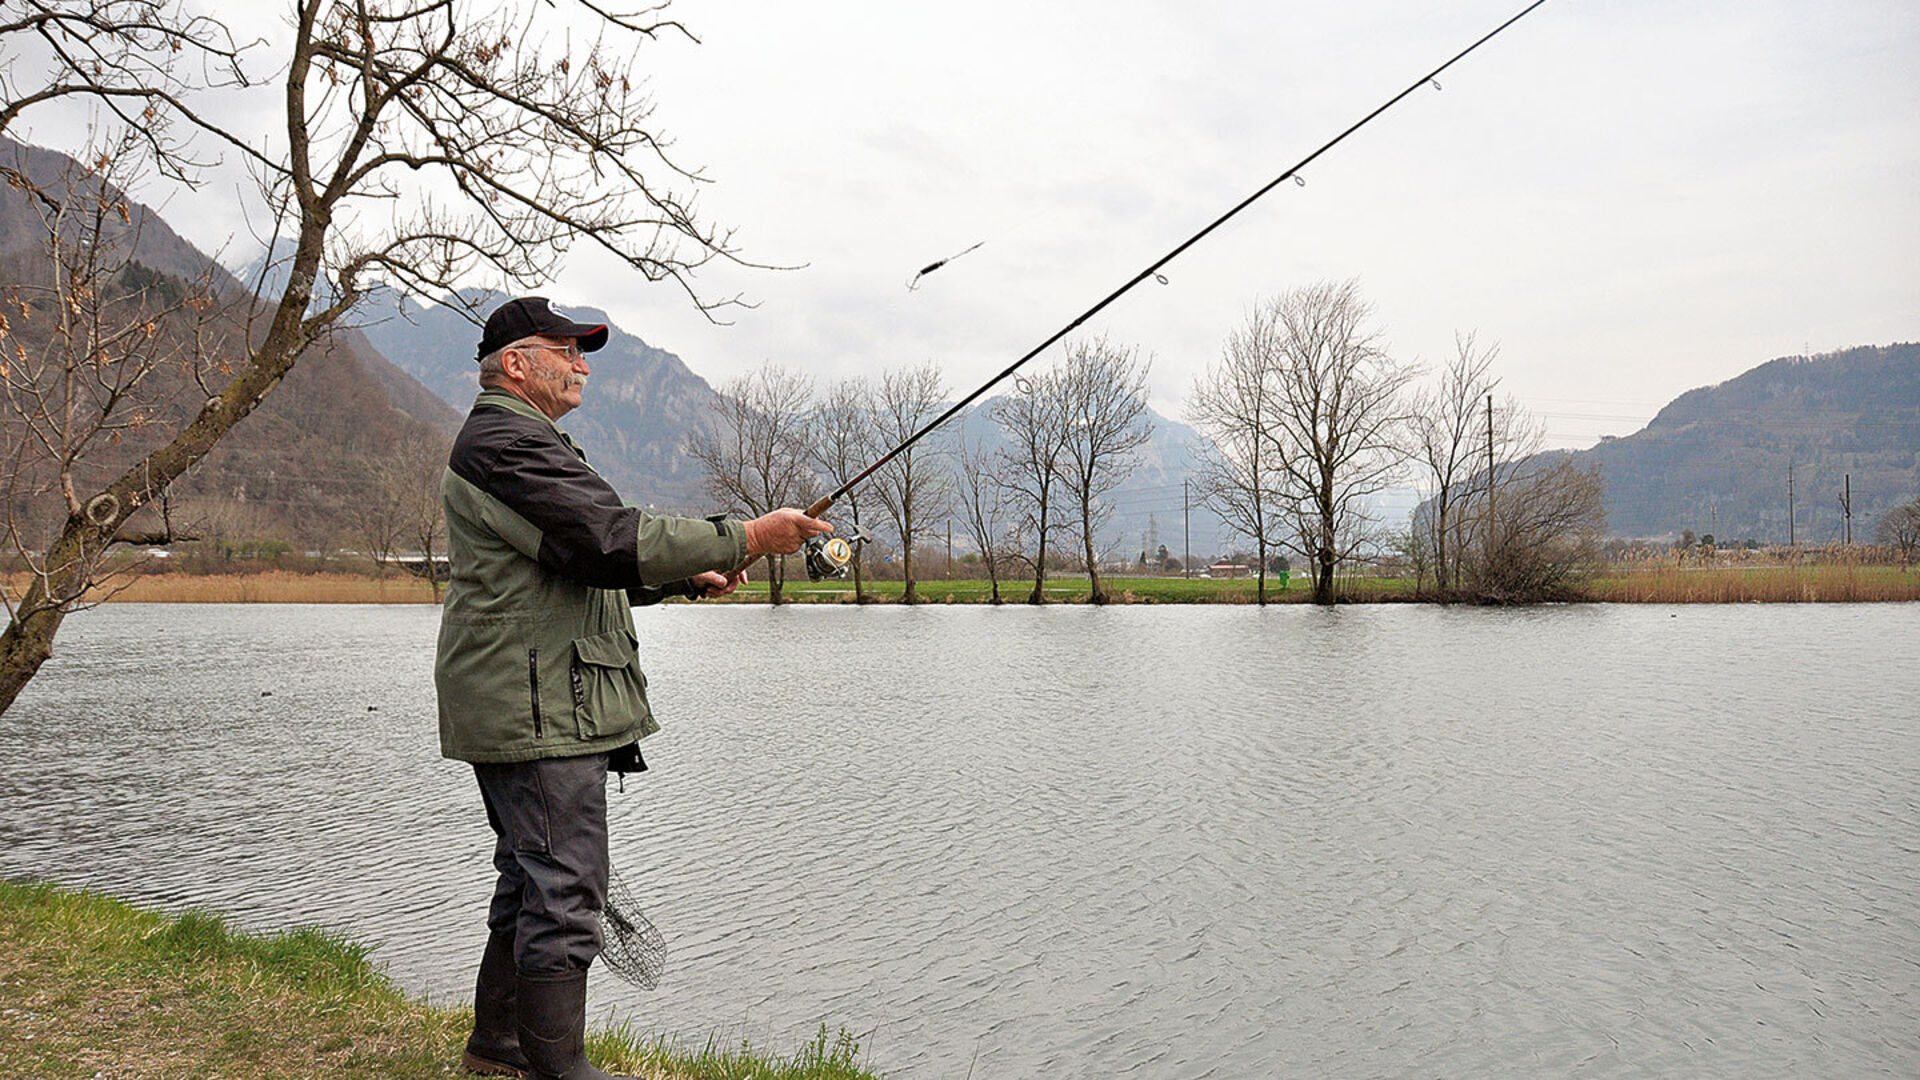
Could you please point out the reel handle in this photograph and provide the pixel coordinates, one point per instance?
(819, 507)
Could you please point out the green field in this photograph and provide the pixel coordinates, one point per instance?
(1073, 589)
(92, 987)
(1625, 584)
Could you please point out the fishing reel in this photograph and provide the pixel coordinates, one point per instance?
(830, 556)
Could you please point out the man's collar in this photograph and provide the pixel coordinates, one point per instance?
(501, 399)
(512, 403)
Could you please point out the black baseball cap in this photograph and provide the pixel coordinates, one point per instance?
(530, 315)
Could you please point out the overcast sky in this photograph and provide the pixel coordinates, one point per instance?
(1632, 197)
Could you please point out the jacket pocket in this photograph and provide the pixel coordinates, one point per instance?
(609, 691)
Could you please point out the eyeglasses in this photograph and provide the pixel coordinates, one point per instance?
(571, 349)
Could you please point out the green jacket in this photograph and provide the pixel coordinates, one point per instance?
(537, 655)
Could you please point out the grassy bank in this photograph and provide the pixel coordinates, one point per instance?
(92, 987)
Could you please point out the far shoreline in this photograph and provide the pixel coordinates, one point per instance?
(1806, 583)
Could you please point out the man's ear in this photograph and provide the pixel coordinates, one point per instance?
(513, 364)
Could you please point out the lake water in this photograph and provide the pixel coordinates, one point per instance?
(1136, 842)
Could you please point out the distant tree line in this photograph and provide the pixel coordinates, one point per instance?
(1069, 435)
(1311, 420)
(1899, 530)
(1308, 419)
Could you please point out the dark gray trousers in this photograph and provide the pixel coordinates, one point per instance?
(550, 818)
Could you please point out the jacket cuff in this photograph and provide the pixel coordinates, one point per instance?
(670, 549)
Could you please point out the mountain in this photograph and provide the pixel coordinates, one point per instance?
(641, 404)
(296, 468)
(1717, 459)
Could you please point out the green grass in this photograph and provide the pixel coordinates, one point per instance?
(1658, 583)
(91, 986)
(1073, 589)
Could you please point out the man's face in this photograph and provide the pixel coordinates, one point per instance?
(556, 373)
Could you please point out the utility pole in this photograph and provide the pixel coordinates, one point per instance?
(1790, 533)
(1489, 477)
(1846, 507)
(1186, 524)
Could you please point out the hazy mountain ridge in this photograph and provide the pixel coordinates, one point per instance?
(643, 402)
(1716, 458)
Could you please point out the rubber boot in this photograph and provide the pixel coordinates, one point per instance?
(553, 1026)
(494, 1047)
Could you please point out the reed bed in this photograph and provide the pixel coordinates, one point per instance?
(265, 587)
(1806, 583)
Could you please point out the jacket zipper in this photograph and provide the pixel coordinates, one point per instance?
(533, 681)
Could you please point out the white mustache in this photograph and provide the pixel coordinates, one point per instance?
(576, 380)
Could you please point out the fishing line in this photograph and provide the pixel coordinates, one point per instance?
(1432, 78)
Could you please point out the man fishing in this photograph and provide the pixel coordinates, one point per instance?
(538, 674)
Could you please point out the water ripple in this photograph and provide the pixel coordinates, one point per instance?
(1142, 842)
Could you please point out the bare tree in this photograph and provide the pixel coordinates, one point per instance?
(430, 525)
(1104, 398)
(1414, 546)
(756, 456)
(142, 62)
(404, 507)
(840, 443)
(1446, 437)
(983, 510)
(1034, 422)
(1543, 525)
(95, 350)
(425, 142)
(1239, 477)
(399, 505)
(1899, 528)
(1336, 418)
(378, 520)
(912, 486)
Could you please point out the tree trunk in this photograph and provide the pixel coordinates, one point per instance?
(1323, 577)
(1260, 587)
(28, 640)
(1097, 595)
(775, 579)
(1039, 594)
(26, 644)
(909, 596)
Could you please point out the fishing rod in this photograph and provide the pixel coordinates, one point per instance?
(831, 552)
